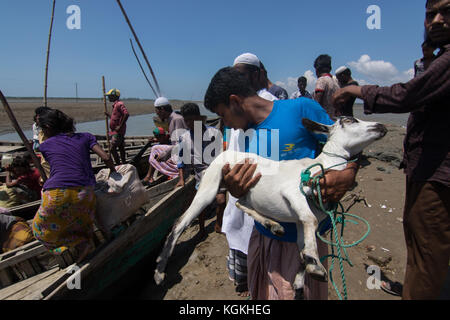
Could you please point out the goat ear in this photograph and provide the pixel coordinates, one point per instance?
(315, 127)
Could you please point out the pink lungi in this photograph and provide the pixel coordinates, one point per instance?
(272, 267)
(169, 167)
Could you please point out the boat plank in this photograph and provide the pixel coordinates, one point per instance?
(22, 256)
(129, 238)
(9, 292)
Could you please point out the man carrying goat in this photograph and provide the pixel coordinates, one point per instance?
(273, 261)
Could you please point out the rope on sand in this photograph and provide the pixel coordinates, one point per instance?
(336, 217)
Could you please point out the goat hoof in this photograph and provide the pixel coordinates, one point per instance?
(277, 230)
(317, 272)
(315, 269)
(159, 277)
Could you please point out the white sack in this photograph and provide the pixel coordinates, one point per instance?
(119, 196)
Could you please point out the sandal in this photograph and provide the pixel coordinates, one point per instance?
(394, 288)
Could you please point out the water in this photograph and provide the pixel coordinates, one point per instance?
(136, 126)
(143, 125)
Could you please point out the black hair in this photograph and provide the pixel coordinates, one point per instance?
(227, 81)
(190, 109)
(347, 72)
(20, 162)
(40, 110)
(323, 63)
(431, 2)
(302, 79)
(57, 122)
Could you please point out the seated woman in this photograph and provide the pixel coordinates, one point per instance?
(66, 216)
(157, 155)
(14, 233)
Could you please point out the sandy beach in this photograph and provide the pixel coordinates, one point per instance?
(197, 269)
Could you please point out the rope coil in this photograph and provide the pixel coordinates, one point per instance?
(336, 217)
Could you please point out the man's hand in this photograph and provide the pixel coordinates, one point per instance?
(336, 183)
(341, 95)
(240, 180)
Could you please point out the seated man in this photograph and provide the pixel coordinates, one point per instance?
(163, 161)
(197, 159)
(169, 167)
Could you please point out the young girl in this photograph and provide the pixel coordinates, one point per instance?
(66, 216)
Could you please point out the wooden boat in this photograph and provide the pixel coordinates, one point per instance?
(42, 276)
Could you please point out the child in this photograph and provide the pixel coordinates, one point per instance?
(65, 218)
(195, 160)
(24, 177)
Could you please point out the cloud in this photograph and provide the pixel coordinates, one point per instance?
(379, 72)
(365, 71)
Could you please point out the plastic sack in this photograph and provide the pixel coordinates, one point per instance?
(118, 196)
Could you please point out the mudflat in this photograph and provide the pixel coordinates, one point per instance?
(83, 110)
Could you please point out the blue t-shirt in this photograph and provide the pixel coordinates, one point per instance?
(295, 141)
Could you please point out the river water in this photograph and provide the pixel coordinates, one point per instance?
(143, 125)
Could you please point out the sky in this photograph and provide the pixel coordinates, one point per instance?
(188, 41)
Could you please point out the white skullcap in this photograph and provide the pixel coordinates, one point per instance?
(161, 101)
(341, 69)
(248, 58)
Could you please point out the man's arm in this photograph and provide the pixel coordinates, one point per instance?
(433, 85)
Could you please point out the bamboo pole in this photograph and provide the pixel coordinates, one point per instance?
(140, 47)
(106, 110)
(142, 69)
(22, 136)
(48, 53)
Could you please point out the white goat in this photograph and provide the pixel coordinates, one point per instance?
(277, 196)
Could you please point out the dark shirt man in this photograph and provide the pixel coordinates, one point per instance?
(426, 159)
(278, 91)
(344, 76)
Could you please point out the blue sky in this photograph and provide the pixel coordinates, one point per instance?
(188, 41)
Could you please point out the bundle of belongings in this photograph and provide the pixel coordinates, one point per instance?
(119, 196)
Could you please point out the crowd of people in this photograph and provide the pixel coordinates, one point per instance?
(260, 264)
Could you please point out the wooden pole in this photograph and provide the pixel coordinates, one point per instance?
(106, 110)
(48, 54)
(142, 69)
(140, 46)
(22, 136)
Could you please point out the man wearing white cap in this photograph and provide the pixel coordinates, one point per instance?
(250, 65)
(344, 76)
(237, 225)
(160, 154)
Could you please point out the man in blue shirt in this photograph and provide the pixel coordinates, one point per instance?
(272, 261)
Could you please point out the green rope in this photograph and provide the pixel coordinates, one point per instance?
(336, 217)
